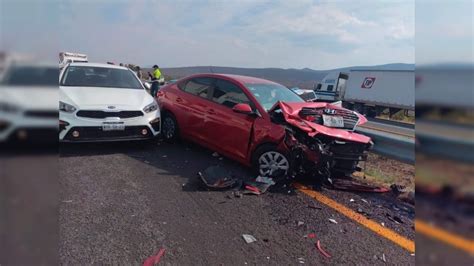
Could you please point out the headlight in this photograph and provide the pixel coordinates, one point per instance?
(66, 107)
(151, 107)
(8, 107)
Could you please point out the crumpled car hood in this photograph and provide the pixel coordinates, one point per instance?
(291, 111)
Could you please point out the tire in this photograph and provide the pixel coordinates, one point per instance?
(278, 163)
(169, 128)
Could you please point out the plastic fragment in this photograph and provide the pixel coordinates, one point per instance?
(333, 221)
(153, 260)
(325, 254)
(249, 238)
(264, 179)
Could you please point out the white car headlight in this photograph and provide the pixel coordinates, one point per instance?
(151, 107)
(66, 107)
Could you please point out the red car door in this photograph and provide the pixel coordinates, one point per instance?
(225, 130)
(191, 102)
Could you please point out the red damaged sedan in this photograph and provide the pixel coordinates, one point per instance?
(264, 125)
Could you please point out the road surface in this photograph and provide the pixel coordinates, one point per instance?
(122, 202)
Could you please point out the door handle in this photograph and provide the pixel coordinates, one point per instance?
(179, 100)
(211, 112)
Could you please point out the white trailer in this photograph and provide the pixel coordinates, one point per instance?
(370, 91)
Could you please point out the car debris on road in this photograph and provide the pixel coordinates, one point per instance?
(154, 260)
(249, 238)
(325, 254)
(352, 185)
(217, 177)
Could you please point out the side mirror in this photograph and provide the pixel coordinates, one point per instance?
(242, 108)
(147, 85)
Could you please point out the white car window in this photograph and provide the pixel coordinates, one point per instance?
(87, 76)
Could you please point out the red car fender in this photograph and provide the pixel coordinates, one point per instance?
(264, 131)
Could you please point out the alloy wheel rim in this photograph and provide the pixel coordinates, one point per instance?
(271, 162)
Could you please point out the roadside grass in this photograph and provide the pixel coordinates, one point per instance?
(385, 172)
(399, 116)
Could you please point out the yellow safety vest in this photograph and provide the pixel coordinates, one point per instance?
(157, 73)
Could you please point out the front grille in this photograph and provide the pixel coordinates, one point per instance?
(42, 113)
(350, 117)
(103, 114)
(96, 133)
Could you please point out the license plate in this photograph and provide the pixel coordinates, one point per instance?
(333, 121)
(111, 126)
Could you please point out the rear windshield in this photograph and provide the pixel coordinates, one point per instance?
(31, 76)
(86, 76)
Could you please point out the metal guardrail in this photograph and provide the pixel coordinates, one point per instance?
(394, 146)
(442, 140)
(446, 147)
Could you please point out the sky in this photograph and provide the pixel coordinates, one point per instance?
(257, 33)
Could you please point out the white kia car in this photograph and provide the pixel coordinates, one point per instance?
(102, 102)
(28, 103)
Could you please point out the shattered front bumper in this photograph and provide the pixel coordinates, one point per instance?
(324, 156)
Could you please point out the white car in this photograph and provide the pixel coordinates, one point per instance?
(28, 103)
(102, 102)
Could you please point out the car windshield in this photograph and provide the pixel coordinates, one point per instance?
(31, 76)
(268, 94)
(87, 76)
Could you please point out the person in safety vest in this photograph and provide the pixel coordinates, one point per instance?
(155, 78)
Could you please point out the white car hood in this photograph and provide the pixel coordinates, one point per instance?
(91, 98)
(30, 98)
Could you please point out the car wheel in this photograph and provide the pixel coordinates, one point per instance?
(268, 161)
(169, 128)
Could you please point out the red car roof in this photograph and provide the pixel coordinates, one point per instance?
(239, 78)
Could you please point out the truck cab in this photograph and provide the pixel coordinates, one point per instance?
(332, 87)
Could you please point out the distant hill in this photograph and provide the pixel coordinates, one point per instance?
(303, 78)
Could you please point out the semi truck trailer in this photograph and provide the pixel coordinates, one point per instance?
(370, 91)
